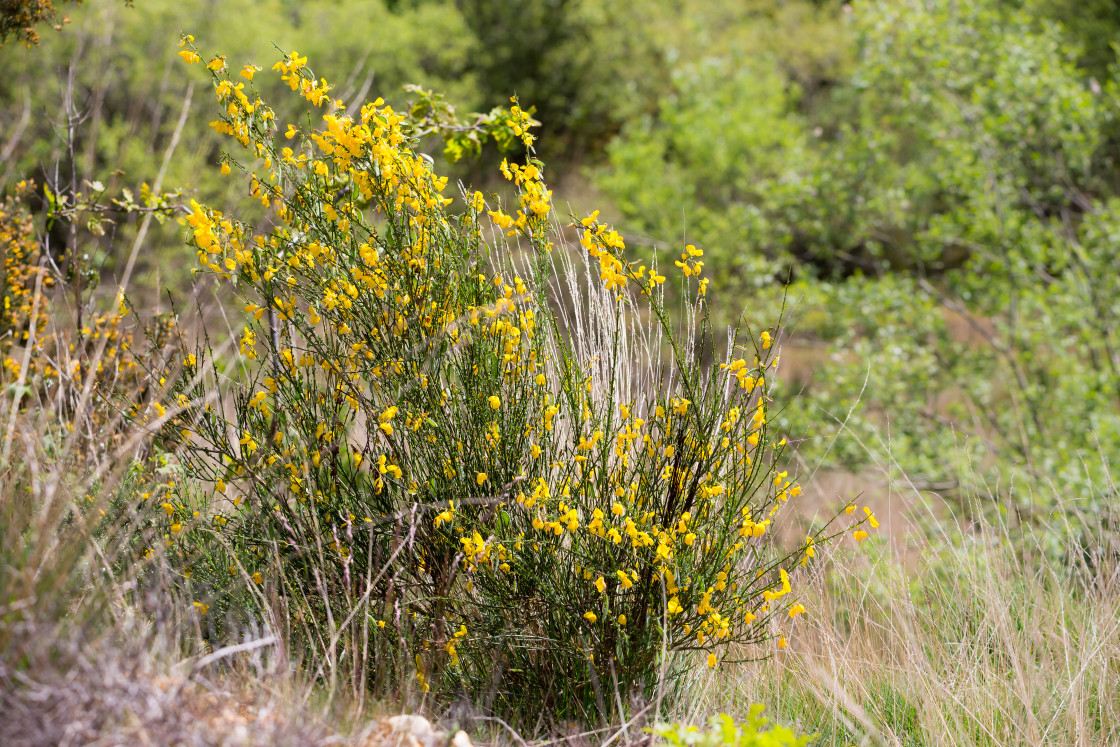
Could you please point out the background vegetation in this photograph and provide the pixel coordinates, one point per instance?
(926, 187)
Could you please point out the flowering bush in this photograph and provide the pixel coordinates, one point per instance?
(23, 315)
(76, 360)
(19, 18)
(433, 476)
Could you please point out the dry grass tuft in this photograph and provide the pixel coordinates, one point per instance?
(996, 635)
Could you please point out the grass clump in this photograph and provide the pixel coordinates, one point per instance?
(981, 635)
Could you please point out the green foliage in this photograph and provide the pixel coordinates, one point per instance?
(728, 159)
(1092, 25)
(725, 732)
(724, 147)
(923, 156)
(585, 66)
(946, 223)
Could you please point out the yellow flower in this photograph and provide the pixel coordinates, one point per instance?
(591, 617)
(766, 340)
(617, 509)
(871, 518)
(711, 661)
(258, 578)
(481, 478)
(797, 609)
(622, 619)
(495, 402)
(860, 535)
(810, 550)
(600, 584)
(675, 606)
(782, 642)
(447, 515)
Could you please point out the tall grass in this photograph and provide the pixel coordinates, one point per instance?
(982, 635)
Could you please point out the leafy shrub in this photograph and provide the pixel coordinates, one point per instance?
(725, 731)
(962, 186)
(1007, 166)
(432, 476)
(919, 158)
(726, 146)
(586, 66)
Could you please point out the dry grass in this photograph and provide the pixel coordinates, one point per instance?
(994, 636)
(96, 646)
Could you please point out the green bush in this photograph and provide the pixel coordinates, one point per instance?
(725, 147)
(953, 115)
(751, 732)
(948, 224)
